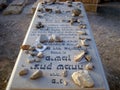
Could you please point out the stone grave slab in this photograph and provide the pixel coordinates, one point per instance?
(58, 52)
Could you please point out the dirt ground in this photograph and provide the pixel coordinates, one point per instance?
(106, 30)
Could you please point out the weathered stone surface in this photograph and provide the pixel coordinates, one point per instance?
(19, 2)
(30, 11)
(13, 10)
(55, 38)
(36, 75)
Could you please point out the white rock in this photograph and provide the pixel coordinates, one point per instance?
(65, 83)
(85, 37)
(88, 57)
(19, 2)
(36, 75)
(40, 55)
(82, 32)
(89, 66)
(78, 45)
(78, 57)
(76, 78)
(55, 38)
(52, 38)
(84, 42)
(39, 45)
(64, 73)
(83, 79)
(23, 72)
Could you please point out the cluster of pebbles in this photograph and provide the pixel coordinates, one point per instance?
(81, 77)
(49, 10)
(37, 74)
(52, 38)
(34, 56)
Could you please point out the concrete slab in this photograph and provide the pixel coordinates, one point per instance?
(59, 56)
(13, 10)
(19, 2)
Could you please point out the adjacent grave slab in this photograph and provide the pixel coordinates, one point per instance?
(13, 10)
(15, 7)
(19, 2)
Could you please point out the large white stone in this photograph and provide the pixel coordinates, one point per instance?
(83, 79)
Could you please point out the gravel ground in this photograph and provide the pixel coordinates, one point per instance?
(106, 30)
